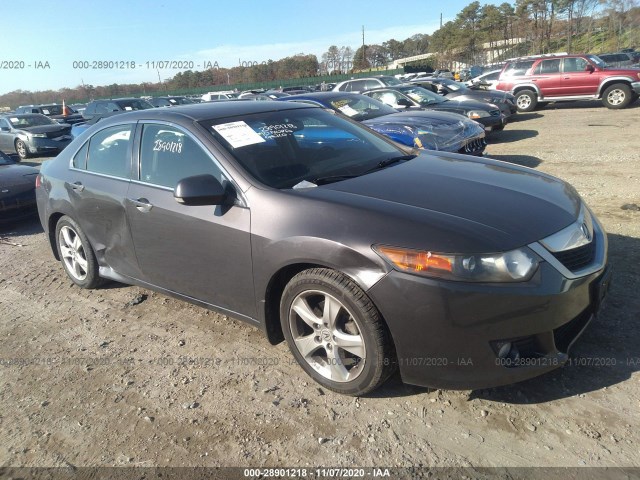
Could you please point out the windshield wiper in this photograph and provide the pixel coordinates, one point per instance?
(389, 161)
(381, 164)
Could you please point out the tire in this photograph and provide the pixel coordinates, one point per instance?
(77, 256)
(617, 96)
(336, 333)
(526, 100)
(22, 150)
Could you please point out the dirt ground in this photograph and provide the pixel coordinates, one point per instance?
(124, 376)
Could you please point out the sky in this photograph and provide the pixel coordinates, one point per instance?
(50, 46)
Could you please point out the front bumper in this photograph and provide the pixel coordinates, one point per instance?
(449, 334)
(490, 122)
(48, 145)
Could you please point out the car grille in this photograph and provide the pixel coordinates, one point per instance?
(474, 147)
(577, 258)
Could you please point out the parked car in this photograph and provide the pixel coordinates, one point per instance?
(443, 73)
(426, 129)
(32, 134)
(416, 97)
(57, 112)
(487, 80)
(459, 91)
(535, 81)
(78, 107)
(17, 190)
(222, 95)
(170, 101)
(359, 85)
(114, 106)
(364, 257)
(620, 59)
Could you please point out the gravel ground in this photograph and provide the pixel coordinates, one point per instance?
(124, 376)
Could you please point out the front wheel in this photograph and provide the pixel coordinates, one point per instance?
(526, 100)
(76, 254)
(335, 332)
(22, 150)
(617, 96)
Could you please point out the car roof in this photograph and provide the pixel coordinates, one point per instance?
(206, 111)
(318, 96)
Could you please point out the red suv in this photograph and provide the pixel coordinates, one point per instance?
(536, 81)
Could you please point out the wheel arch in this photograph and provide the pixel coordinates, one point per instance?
(52, 222)
(526, 86)
(612, 81)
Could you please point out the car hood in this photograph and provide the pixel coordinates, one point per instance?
(451, 203)
(464, 105)
(61, 127)
(437, 130)
(16, 175)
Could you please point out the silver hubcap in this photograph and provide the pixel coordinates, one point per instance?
(524, 101)
(615, 97)
(22, 149)
(73, 253)
(327, 336)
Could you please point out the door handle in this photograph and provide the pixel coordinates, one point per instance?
(76, 187)
(142, 204)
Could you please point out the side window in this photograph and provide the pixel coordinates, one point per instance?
(4, 123)
(80, 158)
(167, 155)
(518, 69)
(91, 108)
(112, 107)
(101, 107)
(574, 64)
(110, 151)
(550, 66)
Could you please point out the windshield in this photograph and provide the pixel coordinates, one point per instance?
(134, 104)
(390, 81)
(284, 148)
(33, 120)
(422, 95)
(179, 101)
(52, 109)
(597, 60)
(453, 85)
(360, 107)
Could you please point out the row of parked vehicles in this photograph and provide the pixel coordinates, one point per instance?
(354, 231)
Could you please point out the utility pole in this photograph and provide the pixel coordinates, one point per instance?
(364, 61)
(440, 19)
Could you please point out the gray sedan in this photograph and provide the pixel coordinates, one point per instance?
(32, 134)
(365, 256)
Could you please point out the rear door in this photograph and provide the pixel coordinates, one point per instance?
(203, 252)
(548, 78)
(97, 187)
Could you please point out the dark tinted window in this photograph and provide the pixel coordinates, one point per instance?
(548, 66)
(110, 151)
(167, 155)
(518, 69)
(80, 158)
(133, 104)
(101, 107)
(91, 108)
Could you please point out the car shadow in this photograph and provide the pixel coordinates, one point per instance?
(523, 160)
(509, 136)
(605, 355)
(524, 116)
(19, 228)
(581, 104)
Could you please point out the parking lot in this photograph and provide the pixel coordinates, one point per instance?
(124, 376)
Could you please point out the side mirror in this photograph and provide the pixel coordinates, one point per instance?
(589, 68)
(200, 190)
(403, 102)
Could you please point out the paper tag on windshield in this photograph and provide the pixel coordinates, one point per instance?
(45, 111)
(348, 111)
(238, 134)
(14, 119)
(128, 108)
(304, 184)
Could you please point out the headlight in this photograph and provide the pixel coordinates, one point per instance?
(38, 135)
(473, 114)
(514, 266)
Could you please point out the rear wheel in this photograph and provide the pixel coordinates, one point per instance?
(335, 332)
(22, 150)
(526, 100)
(76, 254)
(617, 96)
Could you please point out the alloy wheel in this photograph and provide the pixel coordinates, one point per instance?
(73, 253)
(616, 97)
(327, 336)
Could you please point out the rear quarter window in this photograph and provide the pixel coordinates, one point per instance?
(518, 69)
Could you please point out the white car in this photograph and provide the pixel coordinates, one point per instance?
(487, 80)
(222, 95)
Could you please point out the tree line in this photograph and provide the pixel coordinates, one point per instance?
(479, 34)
